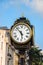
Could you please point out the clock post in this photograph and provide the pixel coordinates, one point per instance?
(22, 38)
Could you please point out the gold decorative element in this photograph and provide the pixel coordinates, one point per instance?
(22, 14)
(20, 24)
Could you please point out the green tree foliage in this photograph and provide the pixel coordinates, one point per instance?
(35, 55)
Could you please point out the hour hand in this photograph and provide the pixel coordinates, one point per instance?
(21, 33)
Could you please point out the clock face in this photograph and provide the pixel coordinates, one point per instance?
(21, 33)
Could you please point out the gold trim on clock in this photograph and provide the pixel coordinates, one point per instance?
(17, 25)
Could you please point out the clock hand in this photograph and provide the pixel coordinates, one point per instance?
(20, 31)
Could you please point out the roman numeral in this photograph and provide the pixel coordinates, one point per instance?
(20, 39)
(21, 26)
(26, 36)
(15, 36)
(24, 39)
(27, 33)
(26, 29)
(14, 33)
(17, 27)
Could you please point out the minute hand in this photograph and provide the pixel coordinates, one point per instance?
(20, 32)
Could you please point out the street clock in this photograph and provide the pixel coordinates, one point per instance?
(21, 32)
(22, 38)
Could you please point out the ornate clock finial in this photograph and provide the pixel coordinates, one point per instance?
(22, 14)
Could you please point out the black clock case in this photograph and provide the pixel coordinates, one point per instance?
(28, 44)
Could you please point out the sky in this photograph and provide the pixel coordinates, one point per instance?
(10, 10)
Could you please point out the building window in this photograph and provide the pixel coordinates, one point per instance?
(1, 60)
(6, 47)
(8, 62)
(7, 34)
(1, 45)
(2, 36)
(0, 33)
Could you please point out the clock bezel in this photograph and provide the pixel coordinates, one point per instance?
(17, 25)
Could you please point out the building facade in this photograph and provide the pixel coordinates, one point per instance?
(6, 49)
(7, 52)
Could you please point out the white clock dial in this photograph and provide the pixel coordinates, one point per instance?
(21, 33)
